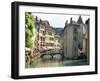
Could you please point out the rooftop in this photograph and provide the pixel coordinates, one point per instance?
(80, 21)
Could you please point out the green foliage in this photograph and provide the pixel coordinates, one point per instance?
(28, 38)
(29, 29)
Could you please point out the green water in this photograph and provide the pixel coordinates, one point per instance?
(51, 63)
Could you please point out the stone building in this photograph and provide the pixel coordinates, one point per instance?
(86, 39)
(81, 32)
(72, 38)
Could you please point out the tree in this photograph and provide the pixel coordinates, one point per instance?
(29, 29)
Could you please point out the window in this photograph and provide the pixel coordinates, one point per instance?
(41, 45)
(51, 38)
(75, 31)
(49, 33)
(43, 39)
(75, 38)
(44, 32)
(49, 44)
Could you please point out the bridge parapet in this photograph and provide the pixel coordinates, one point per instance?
(52, 55)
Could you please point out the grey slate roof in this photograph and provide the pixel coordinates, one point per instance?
(80, 21)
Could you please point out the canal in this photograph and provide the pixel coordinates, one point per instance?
(55, 63)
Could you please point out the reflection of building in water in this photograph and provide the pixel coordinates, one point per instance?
(73, 37)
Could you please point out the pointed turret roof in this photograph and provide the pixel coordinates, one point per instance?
(80, 21)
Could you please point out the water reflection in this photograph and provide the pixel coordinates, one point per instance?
(54, 60)
(47, 61)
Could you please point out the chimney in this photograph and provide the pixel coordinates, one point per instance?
(66, 23)
(71, 20)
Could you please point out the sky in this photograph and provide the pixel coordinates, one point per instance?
(58, 20)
